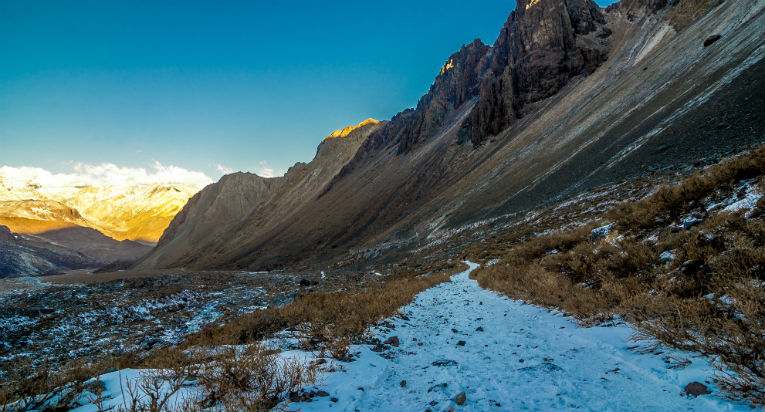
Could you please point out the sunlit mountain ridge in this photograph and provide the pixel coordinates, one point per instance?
(135, 212)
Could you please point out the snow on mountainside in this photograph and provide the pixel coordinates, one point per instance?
(134, 212)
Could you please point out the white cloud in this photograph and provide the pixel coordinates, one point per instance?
(225, 170)
(267, 171)
(105, 174)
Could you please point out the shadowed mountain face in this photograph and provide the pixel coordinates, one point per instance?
(568, 98)
(24, 257)
(62, 249)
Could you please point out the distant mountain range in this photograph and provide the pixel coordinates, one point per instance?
(139, 212)
(53, 229)
(570, 96)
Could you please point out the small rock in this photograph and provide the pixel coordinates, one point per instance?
(711, 39)
(323, 394)
(520, 360)
(601, 232)
(455, 330)
(333, 399)
(461, 398)
(379, 348)
(461, 343)
(479, 329)
(696, 389)
(402, 384)
(445, 362)
(433, 403)
(419, 343)
(393, 341)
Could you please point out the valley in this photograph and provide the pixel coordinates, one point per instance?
(571, 218)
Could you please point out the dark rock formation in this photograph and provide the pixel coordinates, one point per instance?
(711, 39)
(456, 84)
(543, 44)
(6, 235)
(696, 389)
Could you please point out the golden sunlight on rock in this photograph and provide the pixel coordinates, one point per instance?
(346, 131)
(531, 3)
(447, 66)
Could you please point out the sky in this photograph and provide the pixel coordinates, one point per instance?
(213, 87)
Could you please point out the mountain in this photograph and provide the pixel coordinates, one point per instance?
(137, 212)
(20, 256)
(248, 204)
(569, 97)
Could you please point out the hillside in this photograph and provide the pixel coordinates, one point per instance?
(569, 97)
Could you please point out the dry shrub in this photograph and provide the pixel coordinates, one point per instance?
(336, 318)
(728, 328)
(686, 12)
(669, 202)
(32, 387)
(709, 298)
(251, 378)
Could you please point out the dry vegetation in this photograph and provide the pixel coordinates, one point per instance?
(329, 318)
(686, 12)
(689, 276)
(249, 377)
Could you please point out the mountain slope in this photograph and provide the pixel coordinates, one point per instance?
(569, 97)
(20, 256)
(242, 203)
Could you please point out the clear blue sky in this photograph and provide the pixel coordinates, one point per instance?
(197, 84)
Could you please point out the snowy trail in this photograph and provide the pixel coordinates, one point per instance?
(526, 358)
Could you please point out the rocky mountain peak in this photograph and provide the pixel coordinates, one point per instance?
(456, 84)
(347, 130)
(543, 44)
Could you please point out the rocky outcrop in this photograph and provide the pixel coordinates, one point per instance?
(456, 84)
(543, 44)
(6, 235)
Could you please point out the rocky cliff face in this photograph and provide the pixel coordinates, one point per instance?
(456, 84)
(543, 44)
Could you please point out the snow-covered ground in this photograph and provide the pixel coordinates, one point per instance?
(503, 354)
(526, 358)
